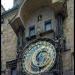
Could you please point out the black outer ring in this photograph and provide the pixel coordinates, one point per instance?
(40, 39)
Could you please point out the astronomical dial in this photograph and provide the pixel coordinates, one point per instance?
(39, 57)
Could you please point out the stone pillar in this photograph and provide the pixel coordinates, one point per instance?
(19, 67)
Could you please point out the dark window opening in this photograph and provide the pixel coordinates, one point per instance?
(59, 25)
(48, 25)
(12, 65)
(32, 31)
(13, 71)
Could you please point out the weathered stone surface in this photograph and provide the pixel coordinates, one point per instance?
(69, 25)
(66, 57)
(9, 39)
(8, 44)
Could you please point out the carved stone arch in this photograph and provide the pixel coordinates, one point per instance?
(29, 6)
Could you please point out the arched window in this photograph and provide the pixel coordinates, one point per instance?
(13, 71)
(32, 31)
(48, 25)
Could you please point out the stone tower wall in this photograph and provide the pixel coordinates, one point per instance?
(68, 58)
(9, 40)
(8, 43)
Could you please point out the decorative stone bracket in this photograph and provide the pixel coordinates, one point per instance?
(16, 24)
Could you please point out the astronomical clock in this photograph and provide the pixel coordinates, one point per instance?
(38, 58)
